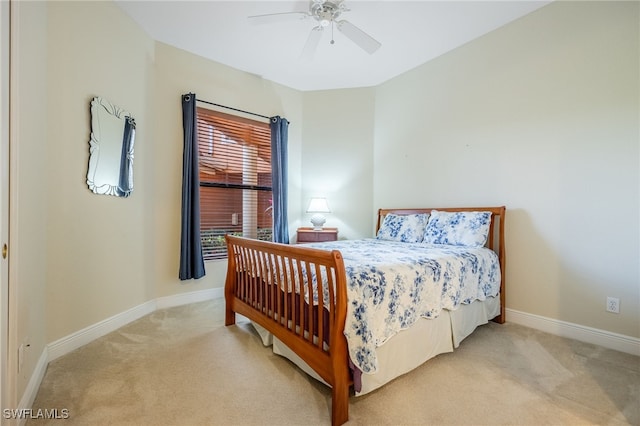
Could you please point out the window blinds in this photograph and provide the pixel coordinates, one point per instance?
(234, 155)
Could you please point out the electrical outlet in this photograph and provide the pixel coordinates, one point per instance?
(613, 305)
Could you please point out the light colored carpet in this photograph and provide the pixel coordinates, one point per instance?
(181, 366)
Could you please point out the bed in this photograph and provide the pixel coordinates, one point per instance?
(357, 314)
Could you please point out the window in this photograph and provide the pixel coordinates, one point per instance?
(234, 162)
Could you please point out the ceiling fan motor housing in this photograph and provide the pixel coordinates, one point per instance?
(326, 12)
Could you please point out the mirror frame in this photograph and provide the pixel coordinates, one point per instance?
(102, 176)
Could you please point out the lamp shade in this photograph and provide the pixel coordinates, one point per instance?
(318, 205)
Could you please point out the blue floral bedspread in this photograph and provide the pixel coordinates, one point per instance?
(390, 285)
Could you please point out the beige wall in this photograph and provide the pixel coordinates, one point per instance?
(179, 72)
(96, 243)
(82, 258)
(541, 116)
(337, 158)
(107, 254)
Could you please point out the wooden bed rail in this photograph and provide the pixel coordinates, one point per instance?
(276, 286)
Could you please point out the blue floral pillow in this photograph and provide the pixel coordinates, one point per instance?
(458, 228)
(404, 228)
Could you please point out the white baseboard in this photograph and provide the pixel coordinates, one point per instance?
(88, 334)
(80, 338)
(607, 339)
(186, 298)
(31, 391)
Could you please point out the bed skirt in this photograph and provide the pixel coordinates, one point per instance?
(409, 348)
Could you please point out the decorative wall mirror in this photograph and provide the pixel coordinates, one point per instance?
(110, 149)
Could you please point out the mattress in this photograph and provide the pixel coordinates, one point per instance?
(391, 285)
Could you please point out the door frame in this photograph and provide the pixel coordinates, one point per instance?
(6, 397)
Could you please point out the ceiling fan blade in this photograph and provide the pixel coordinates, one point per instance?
(311, 44)
(359, 37)
(277, 17)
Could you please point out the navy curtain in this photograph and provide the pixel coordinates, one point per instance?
(191, 260)
(279, 137)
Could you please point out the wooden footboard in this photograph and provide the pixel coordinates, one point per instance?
(275, 285)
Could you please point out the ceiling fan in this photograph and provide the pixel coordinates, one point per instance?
(326, 14)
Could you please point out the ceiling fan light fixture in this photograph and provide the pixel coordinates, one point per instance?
(326, 13)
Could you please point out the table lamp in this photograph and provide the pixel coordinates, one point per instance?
(318, 206)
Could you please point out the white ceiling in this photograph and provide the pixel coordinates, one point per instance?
(411, 33)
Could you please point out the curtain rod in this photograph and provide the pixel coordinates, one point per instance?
(234, 109)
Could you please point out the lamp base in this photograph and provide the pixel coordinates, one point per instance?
(318, 220)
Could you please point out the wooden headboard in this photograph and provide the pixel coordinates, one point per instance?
(497, 216)
(495, 239)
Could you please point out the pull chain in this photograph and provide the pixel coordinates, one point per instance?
(332, 40)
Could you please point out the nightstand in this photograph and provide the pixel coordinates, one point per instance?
(309, 235)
